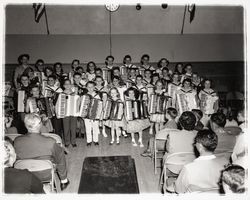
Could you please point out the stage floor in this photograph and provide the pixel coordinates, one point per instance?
(148, 182)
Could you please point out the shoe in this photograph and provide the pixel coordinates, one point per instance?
(89, 144)
(146, 154)
(134, 143)
(74, 145)
(112, 142)
(64, 185)
(96, 143)
(104, 134)
(141, 145)
(117, 142)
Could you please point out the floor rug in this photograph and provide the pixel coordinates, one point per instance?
(114, 174)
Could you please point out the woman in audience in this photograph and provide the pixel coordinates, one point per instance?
(233, 179)
(198, 114)
(230, 121)
(18, 181)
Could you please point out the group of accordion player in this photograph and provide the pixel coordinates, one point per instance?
(62, 105)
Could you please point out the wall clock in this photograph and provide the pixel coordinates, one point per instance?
(112, 7)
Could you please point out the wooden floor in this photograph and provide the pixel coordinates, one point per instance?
(147, 180)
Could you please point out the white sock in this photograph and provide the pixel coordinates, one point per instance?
(64, 180)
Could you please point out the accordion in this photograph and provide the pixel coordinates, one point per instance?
(95, 109)
(32, 103)
(123, 70)
(67, 105)
(20, 101)
(91, 108)
(208, 103)
(46, 105)
(172, 93)
(113, 110)
(107, 74)
(135, 109)
(150, 91)
(158, 104)
(186, 101)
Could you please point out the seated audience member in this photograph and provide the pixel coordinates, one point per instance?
(239, 155)
(9, 128)
(241, 118)
(226, 141)
(16, 180)
(203, 174)
(36, 146)
(233, 179)
(198, 114)
(180, 140)
(230, 121)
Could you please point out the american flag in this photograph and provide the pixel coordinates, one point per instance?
(39, 9)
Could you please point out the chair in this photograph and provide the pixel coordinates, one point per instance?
(158, 138)
(174, 163)
(232, 130)
(13, 136)
(39, 165)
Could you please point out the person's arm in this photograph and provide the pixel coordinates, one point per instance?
(181, 184)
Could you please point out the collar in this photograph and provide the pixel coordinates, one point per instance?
(208, 157)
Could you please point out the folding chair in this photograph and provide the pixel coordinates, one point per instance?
(39, 165)
(174, 163)
(159, 138)
(12, 136)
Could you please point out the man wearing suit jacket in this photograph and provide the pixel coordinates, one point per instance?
(36, 146)
(203, 174)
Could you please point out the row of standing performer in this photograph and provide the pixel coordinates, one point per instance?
(127, 99)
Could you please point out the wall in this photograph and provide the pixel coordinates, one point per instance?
(126, 20)
(187, 47)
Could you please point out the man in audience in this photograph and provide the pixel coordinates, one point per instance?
(239, 155)
(36, 146)
(16, 180)
(203, 174)
(233, 179)
(226, 141)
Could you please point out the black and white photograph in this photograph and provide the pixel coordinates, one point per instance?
(124, 98)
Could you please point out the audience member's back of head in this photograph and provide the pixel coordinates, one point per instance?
(187, 120)
(219, 119)
(208, 139)
(233, 179)
(32, 122)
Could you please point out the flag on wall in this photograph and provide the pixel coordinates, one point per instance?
(39, 9)
(191, 10)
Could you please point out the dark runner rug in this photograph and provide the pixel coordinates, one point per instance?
(115, 174)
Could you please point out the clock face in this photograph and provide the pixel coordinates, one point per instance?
(112, 7)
